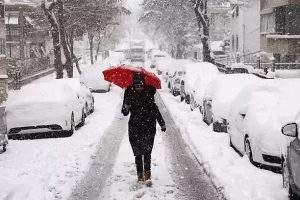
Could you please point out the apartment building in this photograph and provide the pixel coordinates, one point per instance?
(280, 29)
(245, 26)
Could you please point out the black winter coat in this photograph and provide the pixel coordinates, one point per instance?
(143, 116)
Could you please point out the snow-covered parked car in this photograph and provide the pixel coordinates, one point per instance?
(218, 97)
(93, 78)
(3, 128)
(44, 107)
(239, 68)
(207, 72)
(291, 161)
(156, 55)
(258, 115)
(163, 64)
(85, 97)
(191, 73)
(175, 81)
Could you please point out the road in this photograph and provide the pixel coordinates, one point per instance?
(177, 174)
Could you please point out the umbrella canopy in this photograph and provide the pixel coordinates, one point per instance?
(122, 76)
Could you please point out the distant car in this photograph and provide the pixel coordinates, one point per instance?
(44, 107)
(155, 56)
(256, 118)
(85, 96)
(239, 68)
(3, 128)
(291, 162)
(208, 72)
(190, 75)
(218, 97)
(94, 79)
(175, 81)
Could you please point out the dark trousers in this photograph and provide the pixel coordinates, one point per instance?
(143, 163)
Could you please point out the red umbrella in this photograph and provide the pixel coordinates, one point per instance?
(122, 76)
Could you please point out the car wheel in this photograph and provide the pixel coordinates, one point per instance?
(216, 127)
(4, 148)
(187, 99)
(201, 109)
(248, 150)
(286, 181)
(93, 108)
(181, 98)
(72, 128)
(229, 134)
(82, 118)
(86, 110)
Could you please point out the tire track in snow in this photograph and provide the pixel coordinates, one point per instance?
(91, 186)
(188, 174)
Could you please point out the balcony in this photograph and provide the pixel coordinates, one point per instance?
(12, 38)
(281, 44)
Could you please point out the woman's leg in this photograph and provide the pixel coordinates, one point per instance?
(139, 164)
(147, 162)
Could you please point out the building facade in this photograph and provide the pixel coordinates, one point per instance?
(245, 27)
(219, 21)
(3, 72)
(280, 29)
(28, 46)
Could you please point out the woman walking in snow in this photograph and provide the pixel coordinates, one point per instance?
(139, 102)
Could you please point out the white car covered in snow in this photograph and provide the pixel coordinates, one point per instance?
(156, 55)
(44, 107)
(207, 72)
(218, 96)
(85, 97)
(258, 115)
(174, 73)
(93, 78)
(191, 73)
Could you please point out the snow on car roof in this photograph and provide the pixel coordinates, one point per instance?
(163, 63)
(40, 92)
(193, 71)
(224, 88)
(242, 66)
(177, 65)
(204, 78)
(279, 97)
(74, 83)
(268, 106)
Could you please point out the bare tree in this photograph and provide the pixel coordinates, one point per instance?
(171, 23)
(201, 12)
(48, 10)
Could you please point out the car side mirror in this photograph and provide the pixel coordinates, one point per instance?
(91, 89)
(290, 130)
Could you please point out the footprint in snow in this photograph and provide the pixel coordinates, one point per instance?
(140, 195)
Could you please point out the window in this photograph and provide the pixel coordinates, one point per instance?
(13, 32)
(195, 55)
(267, 23)
(2, 11)
(237, 10)
(2, 46)
(237, 42)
